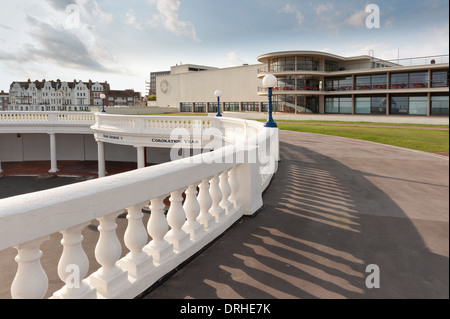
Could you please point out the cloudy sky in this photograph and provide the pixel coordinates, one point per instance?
(123, 41)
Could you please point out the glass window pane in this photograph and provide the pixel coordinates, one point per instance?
(378, 105)
(439, 79)
(345, 105)
(418, 80)
(418, 105)
(400, 80)
(379, 81)
(439, 105)
(362, 105)
(363, 82)
(399, 105)
(332, 105)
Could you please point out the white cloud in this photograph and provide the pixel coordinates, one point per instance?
(293, 10)
(131, 20)
(168, 17)
(321, 8)
(357, 20)
(233, 58)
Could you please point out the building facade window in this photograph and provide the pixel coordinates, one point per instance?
(186, 107)
(338, 105)
(231, 107)
(250, 106)
(439, 79)
(212, 107)
(331, 66)
(418, 105)
(409, 105)
(363, 105)
(307, 104)
(439, 105)
(200, 107)
(284, 103)
(418, 80)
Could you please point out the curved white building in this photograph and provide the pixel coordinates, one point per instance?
(314, 82)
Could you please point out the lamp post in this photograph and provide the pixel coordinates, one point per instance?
(103, 97)
(269, 82)
(218, 94)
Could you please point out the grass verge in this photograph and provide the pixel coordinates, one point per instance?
(422, 140)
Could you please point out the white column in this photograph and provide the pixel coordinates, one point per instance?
(54, 164)
(141, 156)
(101, 159)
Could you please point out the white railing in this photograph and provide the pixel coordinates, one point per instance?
(49, 118)
(218, 191)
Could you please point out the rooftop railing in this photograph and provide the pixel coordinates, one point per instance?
(373, 63)
(219, 188)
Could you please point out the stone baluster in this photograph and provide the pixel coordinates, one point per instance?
(136, 262)
(176, 218)
(109, 279)
(31, 281)
(226, 192)
(234, 184)
(205, 202)
(157, 228)
(192, 209)
(73, 266)
(216, 195)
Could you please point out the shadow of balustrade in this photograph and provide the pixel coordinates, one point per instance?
(322, 224)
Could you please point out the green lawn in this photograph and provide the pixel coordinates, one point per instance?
(422, 140)
(418, 139)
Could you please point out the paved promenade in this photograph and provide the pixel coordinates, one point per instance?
(335, 206)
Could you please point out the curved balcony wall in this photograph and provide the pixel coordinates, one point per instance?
(220, 186)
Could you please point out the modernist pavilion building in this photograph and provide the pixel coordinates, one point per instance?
(314, 82)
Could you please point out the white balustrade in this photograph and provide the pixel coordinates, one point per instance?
(73, 266)
(205, 202)
(176, 219)
(110, 278)
(31, 281)
(216, 196)
(227, 191)
(157, 228)
(192, 209)
(136, 262)
(234, 187)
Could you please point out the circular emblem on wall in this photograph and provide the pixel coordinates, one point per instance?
(164, 86)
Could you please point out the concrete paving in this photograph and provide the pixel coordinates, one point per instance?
(335, 207)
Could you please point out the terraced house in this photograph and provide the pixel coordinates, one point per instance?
(66, 96)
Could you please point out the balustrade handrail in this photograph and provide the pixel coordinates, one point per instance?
(228, 190)
(28, 117)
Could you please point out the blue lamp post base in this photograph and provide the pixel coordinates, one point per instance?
(218, 108)
(270, 122)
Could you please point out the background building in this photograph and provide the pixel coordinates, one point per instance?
(4, 101)
(191, 88)
(314, 82)
(66, 96)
